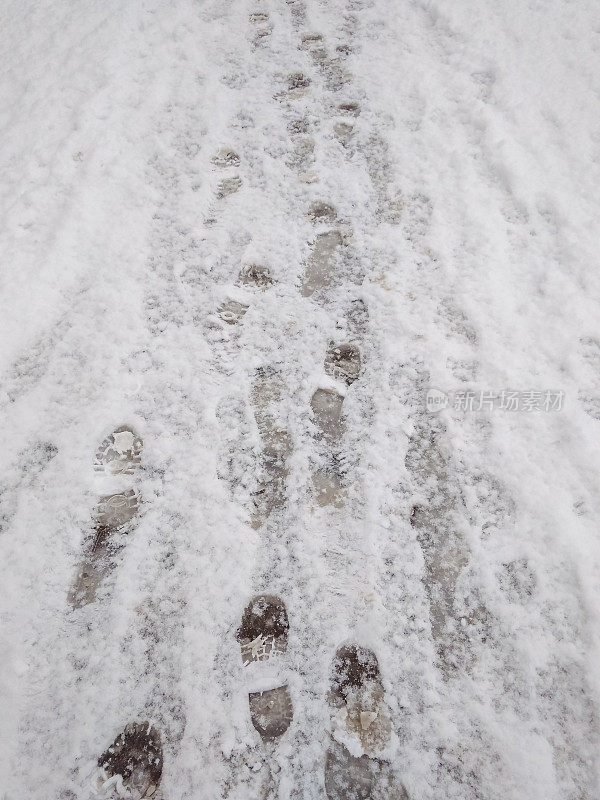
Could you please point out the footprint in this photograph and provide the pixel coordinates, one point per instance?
(259, 17)
(444, 553)
(326, 406)
(320, 211)
(328, 488)
(231, 311)
(114, 514)
(133, 764)
(347, 777)
(297, 84)
(228, 186)
(589, 396)
(262, 635)
(226, 157)
(299, 126)
(255, 275)
(119, 453)
(319, 272)
(350, 108)
(342, 362)
(308, 176)
(343, 132)
(302, 155)
(357, 698)
(266, 395)
(308, 41)
(314, 43)
(115, 511)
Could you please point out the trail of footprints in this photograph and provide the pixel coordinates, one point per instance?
(358, 711)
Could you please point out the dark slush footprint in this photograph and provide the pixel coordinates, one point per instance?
(347, 777)
(266, 395)
(264, 628)
(271, 712)
(350, 778)
(255, 275)
(136, 756)
(350, 108)
(297, 84)
(263, 634)
(358, 695)
(319, 272)
(321, 212)
(342, 362)
(119, 453)
(113, 516)
(258, 17)
(326, 405)
(444, 552)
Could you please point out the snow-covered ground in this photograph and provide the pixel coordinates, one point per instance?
(436, 164)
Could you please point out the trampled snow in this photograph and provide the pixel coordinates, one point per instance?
(150, 152)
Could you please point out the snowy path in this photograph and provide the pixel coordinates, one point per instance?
(204, 202)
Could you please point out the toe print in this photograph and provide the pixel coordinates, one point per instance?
(343, 362)
(297, 84)
(136, 758)
(231, 311)
(264, 628)
(119, 453)
(257, 276)
(228, 186)
(226, 157)
(320, 211)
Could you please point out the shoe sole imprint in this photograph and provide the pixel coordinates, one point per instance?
(326, 405)
(347, 777)
(266, 394)
(137, 756)
(262, 634)
(113, 515)
(271, 712)
(119, 453)
(319, 271)
(257, 276)
(359, 698)
(231, 311)
(264, 628)
(343, 362)
(350, 778)
(444, 554)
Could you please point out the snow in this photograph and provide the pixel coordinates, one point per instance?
(466, 199)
